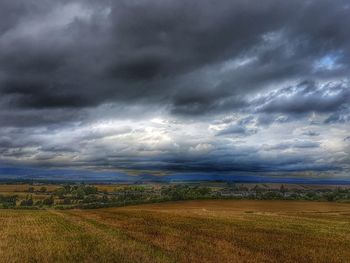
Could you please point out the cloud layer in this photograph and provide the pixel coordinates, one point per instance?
(190, 86)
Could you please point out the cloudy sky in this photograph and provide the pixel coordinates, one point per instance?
(176, 86)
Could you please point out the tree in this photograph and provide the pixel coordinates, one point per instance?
(66, 201)
(204, 190)
(89, 190)
(30, 202)
(67, 187)
(80, 193)
(23, 203)
(48, 201)
(8, 201)
(232, 185)
(90, 199)
(330, 197)
(60, 192)
(43, 189)
(104, 198)
(27, 202)
(283, 189)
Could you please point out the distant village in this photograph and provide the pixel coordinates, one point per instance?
(68, 196)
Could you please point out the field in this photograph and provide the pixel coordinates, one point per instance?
(19, 188)
(190, 231)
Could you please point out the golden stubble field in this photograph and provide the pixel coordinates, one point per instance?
(192, 231)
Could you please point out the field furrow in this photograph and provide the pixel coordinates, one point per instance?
(194, 231)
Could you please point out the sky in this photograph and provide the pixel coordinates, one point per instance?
(175, 87)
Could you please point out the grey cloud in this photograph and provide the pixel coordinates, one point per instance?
(220, 160)
(306, 144)
(150, 46)
(36, 117)
(265, 119)
(65, 65)
(240, 127)
(233, 129)
(298, 144)
(311, 133)
(306, 97)
(340, 116)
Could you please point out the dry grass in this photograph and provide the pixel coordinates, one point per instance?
(118, 187)
(109, 187)
(4, 188)
(194, 231)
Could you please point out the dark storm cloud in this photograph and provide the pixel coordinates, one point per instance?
(223, 160)
(153, 51)
(27, 94)
(66, 65)
(38, 117)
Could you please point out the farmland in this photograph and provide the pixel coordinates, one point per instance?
(80, 195)
(185, 231)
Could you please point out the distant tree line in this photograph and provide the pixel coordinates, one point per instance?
(8, 201)
(89, 196)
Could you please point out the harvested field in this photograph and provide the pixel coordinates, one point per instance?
(191, 231)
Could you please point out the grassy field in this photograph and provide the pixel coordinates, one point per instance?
(15, 188)
(192, 231)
